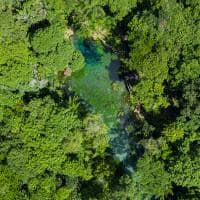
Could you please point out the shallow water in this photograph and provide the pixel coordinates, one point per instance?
(99, 85)
(98, 82)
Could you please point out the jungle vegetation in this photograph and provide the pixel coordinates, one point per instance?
(52, 147)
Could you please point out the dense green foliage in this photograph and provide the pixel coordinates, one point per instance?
(52, 146)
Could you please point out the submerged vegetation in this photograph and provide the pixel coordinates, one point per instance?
(69, 129)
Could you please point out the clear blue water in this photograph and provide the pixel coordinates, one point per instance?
(98, 84)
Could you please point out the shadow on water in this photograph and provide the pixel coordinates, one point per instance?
(113, 70)
(100, 86)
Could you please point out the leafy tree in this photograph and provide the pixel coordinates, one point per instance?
(10, 185)
(150, 179)
(44, 140)
(161, 38)
(121, 8)
(50, 149)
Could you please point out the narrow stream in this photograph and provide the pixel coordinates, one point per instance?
(99, 85)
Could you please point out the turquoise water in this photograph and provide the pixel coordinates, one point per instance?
(98, 84)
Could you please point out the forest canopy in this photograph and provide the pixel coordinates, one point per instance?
(53, 146)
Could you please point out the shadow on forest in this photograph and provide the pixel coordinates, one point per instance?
(183, 193)
(161, 119)
(28, 96)
(39, 25)
(60, 99)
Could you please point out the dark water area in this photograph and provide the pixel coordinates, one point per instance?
(99, 85)
(113, 70)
